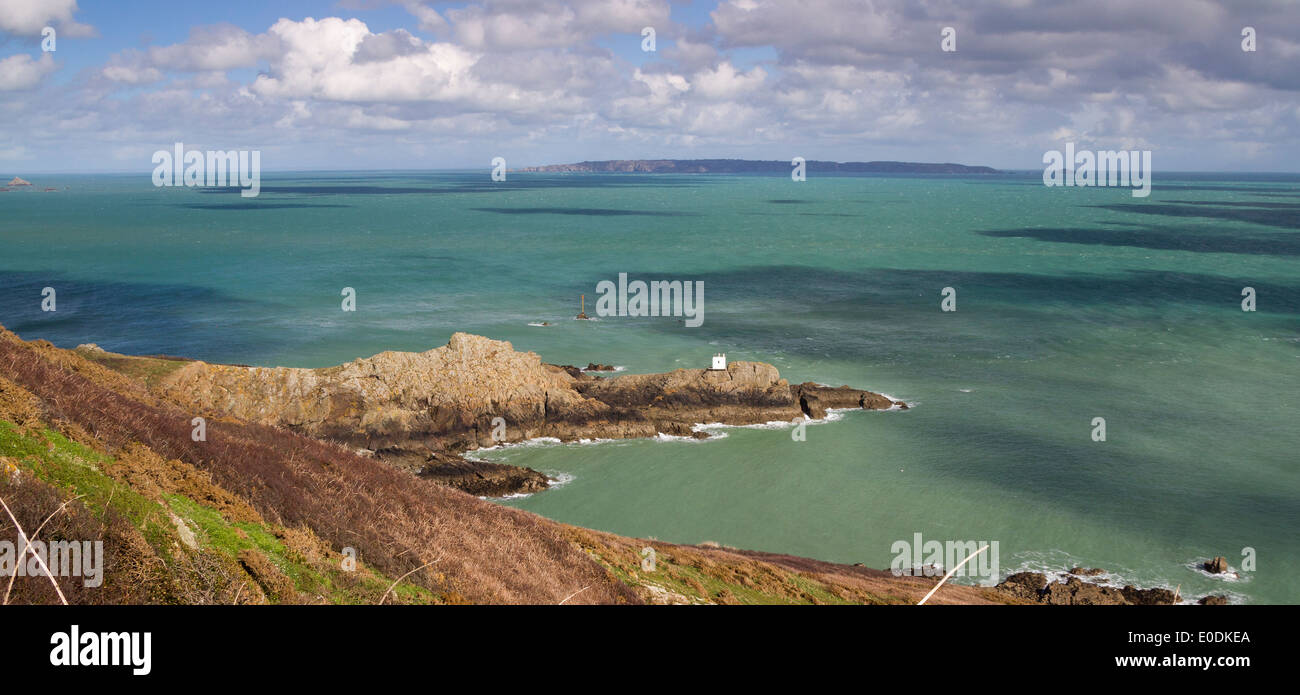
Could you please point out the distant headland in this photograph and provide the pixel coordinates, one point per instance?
(751, 166)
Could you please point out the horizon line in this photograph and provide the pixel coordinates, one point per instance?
(148, 171)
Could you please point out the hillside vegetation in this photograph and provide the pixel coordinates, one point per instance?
(259, 514)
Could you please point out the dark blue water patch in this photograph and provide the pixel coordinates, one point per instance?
(1249, 190)
(1243, 204)
(1102, 480)
(894, 314)
(799, 214)
(462, 184)
(1160, 238)
(1284, 218)
(257, 206)
(131, 318)
(593, 212)
(790, 202)
(1162, 186)
(903, 289)
(317, 190)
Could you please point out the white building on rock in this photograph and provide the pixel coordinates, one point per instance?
(720, 361)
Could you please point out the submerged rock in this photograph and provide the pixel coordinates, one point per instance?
(1218, 565)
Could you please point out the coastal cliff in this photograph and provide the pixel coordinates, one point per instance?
(420, 410)
(251, 514)
(254, 513)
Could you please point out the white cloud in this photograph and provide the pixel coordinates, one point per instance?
(29, 17)
(725, 82)
(834, 78)
(21, 72)
(219, 47)
(529, 24)
(318, 62)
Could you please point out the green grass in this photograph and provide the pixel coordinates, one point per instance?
(683, 579)
(229, 539)
(149, 370)
(56, 460)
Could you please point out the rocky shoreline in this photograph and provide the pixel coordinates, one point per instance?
(422, 411)
(1072, 590)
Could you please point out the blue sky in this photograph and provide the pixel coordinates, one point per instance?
(413, 84)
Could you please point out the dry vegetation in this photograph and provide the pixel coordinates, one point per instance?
(395, 521)
(272, 512)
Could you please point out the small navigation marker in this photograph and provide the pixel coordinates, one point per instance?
(583, 313)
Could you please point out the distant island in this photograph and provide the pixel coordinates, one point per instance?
(751, 166)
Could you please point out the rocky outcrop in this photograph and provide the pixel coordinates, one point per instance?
(422, 409)
(1034, 587)
(482, 478)
(814, 399)
(19, 182)
(1218, 565)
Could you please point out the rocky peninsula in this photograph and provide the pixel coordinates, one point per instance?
(255, 512)
(421, 411)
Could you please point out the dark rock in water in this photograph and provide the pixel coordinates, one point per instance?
(811, 405)
(1076, 592)
(594, 367)
(814, 400)
(1086, 572)
(1218, 565)
(1149, 597)
(1214, 600)
(1034, 587)
(571, 370)
(483, 478)
(1024, 585)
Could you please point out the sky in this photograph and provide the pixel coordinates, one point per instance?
(411, 84)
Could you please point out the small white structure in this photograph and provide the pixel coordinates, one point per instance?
(720, 361)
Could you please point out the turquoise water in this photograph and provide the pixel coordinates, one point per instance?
(1071, 304)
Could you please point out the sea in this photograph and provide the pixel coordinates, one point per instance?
(1095, 395)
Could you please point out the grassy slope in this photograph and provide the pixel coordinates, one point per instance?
(315, 574)
(270, 512)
